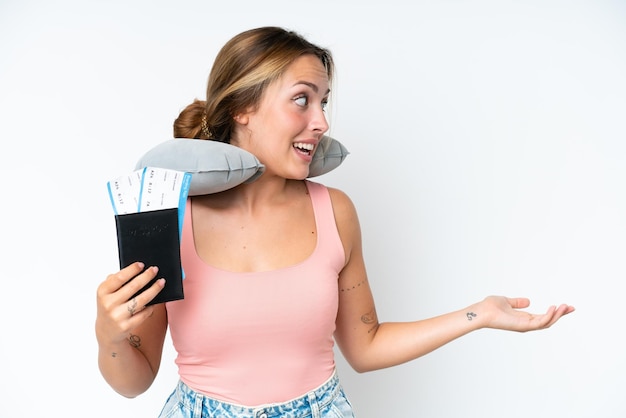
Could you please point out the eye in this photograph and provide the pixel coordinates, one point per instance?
(324, 105)
(302, 100)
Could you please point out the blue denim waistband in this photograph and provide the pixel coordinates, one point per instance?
(307, 405)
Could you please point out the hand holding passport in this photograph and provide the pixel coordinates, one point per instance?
(149, 206)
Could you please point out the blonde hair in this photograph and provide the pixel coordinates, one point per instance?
(242, 70)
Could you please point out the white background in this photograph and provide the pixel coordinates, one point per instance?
(487, 144)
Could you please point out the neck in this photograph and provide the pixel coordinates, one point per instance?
(262, 193)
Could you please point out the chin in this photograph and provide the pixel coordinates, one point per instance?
(299, 176)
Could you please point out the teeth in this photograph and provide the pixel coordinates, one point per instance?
(301, 145)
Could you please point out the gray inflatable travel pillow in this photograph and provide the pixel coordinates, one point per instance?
(217, 166)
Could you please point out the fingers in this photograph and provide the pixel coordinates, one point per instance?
(519, 303)
(121, 308)
(558, 313)
(137, 313)
(115, 281)
(119, 293)
(127, 281)
(132, 306)
(130, 313)
(135, 284)
(546, 320)
(509, 314)
(138, 303)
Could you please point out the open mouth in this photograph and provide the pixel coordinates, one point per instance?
(304, 148)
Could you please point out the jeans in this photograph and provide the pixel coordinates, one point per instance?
(327, 401)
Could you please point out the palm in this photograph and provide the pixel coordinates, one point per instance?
(506, 314)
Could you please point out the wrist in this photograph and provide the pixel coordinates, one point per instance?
(115, 347)
(475, 317)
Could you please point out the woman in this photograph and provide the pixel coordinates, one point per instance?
(274, 268)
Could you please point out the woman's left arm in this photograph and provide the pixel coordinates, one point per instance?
(368, 344)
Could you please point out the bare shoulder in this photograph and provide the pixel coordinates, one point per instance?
(347, 221)
(342, 204)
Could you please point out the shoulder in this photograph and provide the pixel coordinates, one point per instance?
(345, 212)
(347, 222)
(343, 207)
(341, 200)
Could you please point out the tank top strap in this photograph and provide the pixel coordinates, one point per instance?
(324, 218)
(186, 239)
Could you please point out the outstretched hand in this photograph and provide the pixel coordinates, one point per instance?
(504, 313)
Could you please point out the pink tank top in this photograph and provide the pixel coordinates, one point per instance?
(261, 337)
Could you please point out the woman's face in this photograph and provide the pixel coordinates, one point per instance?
(289, 121)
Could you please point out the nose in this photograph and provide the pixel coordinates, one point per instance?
(318, 120)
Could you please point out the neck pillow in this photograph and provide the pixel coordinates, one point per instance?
(216, 166)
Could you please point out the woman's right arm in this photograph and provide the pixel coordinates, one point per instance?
(130, 335)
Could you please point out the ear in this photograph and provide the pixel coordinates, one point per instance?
(241, 118)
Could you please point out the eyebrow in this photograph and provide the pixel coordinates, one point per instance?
(311, 85)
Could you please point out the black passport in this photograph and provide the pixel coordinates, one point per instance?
(153, 238)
